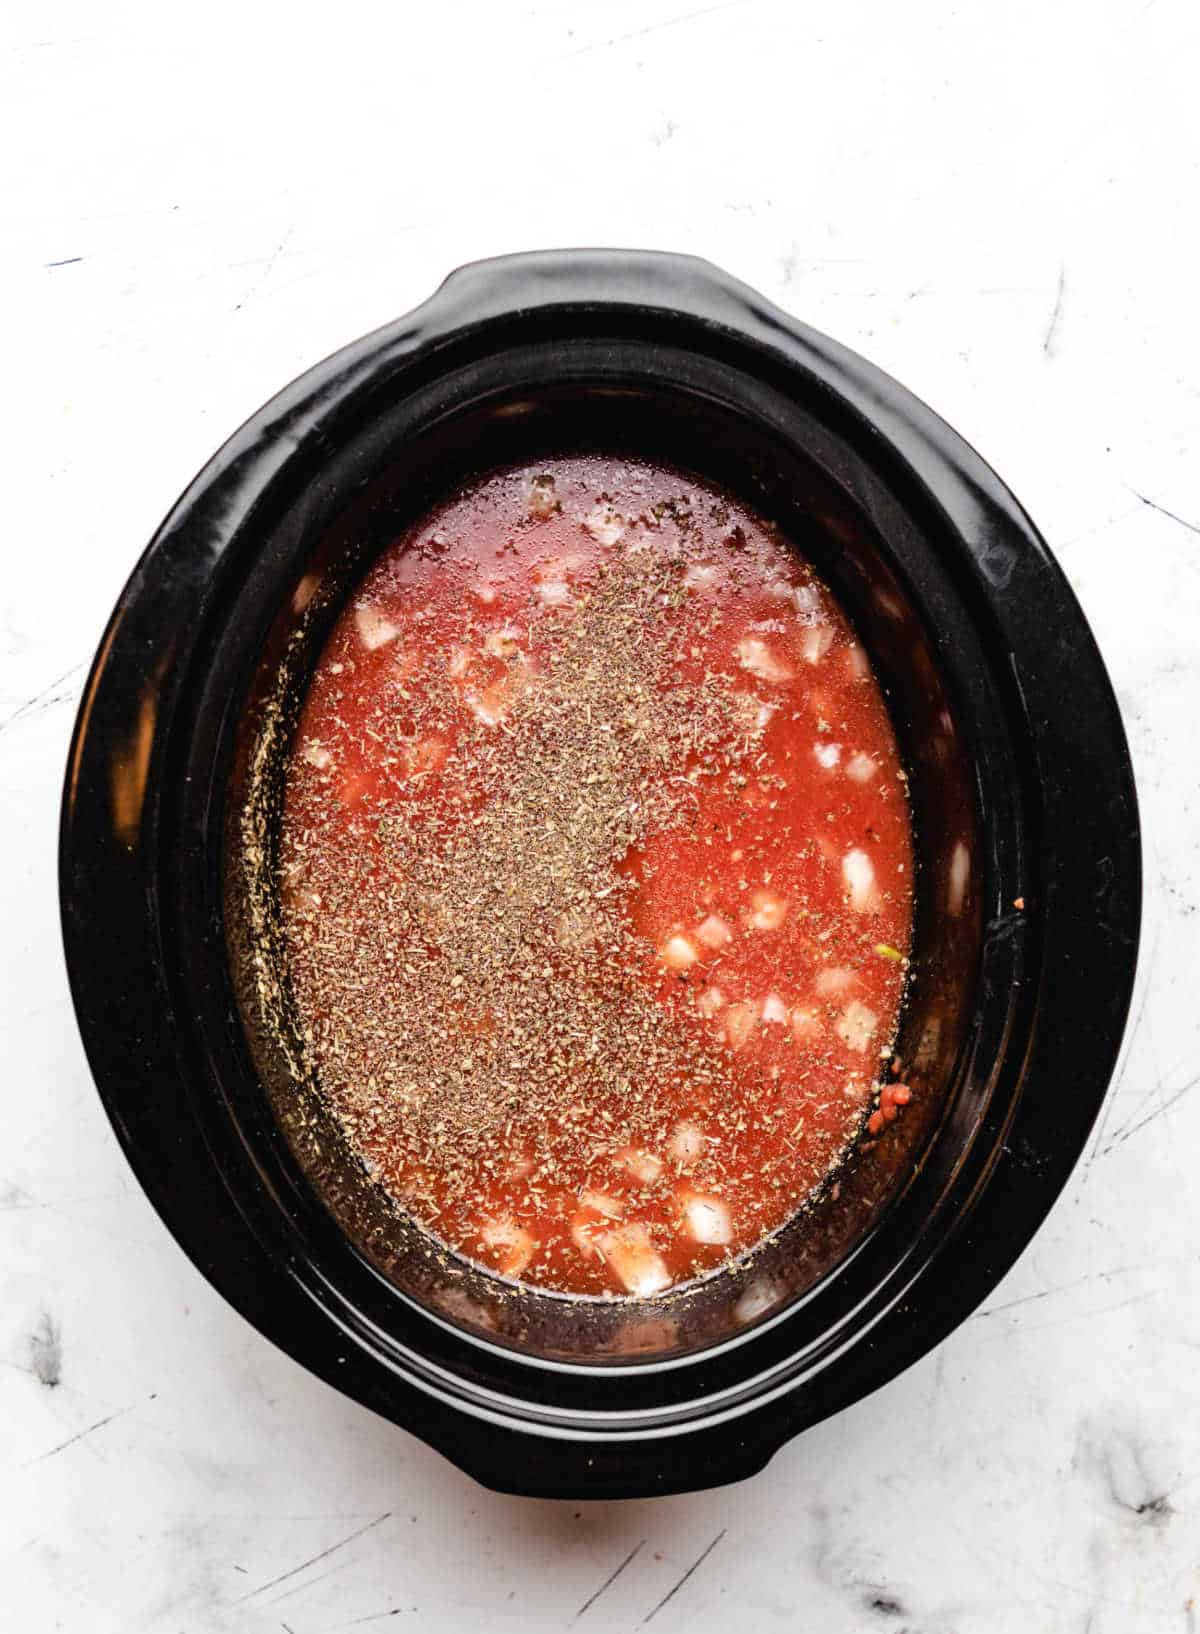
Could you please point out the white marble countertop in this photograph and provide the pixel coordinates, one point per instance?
(995, 203)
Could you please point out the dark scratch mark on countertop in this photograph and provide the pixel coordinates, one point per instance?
(1127, 1055)
(16, 1200)
(1119, 1459)
(1058, 1288)
(371, 1617)
(69, 261)
(1089, 1315)
(1048, 346)
(313, 1559)
(651, 28)
(696, 1564)
(793, 263)
(44, 699)
(307, 1583)
(78, 1436)
(610, 1579)
(46, 1351)
(1158, 1508)
(268, 269)
(1163, 511)
(1122, 1135)
(885, 1603)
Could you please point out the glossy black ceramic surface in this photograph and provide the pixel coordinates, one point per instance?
(1021, 785)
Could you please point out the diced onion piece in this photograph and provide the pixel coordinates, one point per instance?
(635, 1260)
(486, 593)
(591, 1222)
(374, 628)
(754, 655)
(317, 754)
(429, 755)
(806, 1025)
(861, 768)
(816, 642)
(857, 1025)
(602, 1203)
(687, 1144)
(518, 1244)
(355, 785)
(486, 713)
(756, 1301)
(806, 599)
(604, 524)
(752, 714)
(489, 707)
(304, 901)
(459, 662)
(768, 911)
(707, 1219)
(931, 1042)
(641, 1164)
(960, 871)
(638, 1338)
(586, 1228)
(858, 871)
(774, 1010)
(502, 643)
(710, 1001)
(740, 1022)
(406, 664)
(677, 953)
(455, 1301)
(543, 498)
(714, 932)
(700, 575)
(554, 593)
(856, 662)
(416, 1183)
(834, 979)
(828, 754)
(574, 931)
(304, 592)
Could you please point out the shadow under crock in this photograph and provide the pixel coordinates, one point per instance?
(1021, 789)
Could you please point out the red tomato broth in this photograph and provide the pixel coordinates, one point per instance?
(765, 916)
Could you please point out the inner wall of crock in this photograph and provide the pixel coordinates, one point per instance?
(382, 488)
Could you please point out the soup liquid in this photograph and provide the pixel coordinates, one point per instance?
(596, 872)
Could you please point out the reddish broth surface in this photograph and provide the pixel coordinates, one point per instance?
(763, 916)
